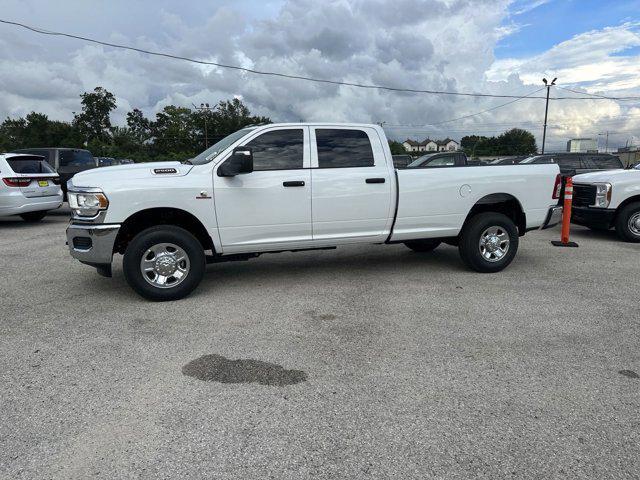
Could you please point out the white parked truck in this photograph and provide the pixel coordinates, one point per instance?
(289, 187)
(609, 199)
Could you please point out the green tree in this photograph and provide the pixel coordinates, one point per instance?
(397, 148)
(513, 142)
(173, 133)
(94, 122)
(517, 142)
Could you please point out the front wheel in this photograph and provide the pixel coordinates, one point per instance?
(628, 223)
(32, 217)
(488, 242)
(164, 263)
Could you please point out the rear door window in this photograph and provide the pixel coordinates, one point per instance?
(76, 158)
(29, 165)
(338, 148)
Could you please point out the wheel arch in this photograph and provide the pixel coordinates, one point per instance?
(152, 217)
(627, 201)
(504, 203)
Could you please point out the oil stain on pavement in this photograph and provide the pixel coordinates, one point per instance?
(216, 368)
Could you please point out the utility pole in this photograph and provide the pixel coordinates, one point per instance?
(606, 145)
(546, 110)
(207, 108)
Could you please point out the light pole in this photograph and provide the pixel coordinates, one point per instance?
(605, 134)
(546, 110)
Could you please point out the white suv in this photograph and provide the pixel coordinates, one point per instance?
(29, 187)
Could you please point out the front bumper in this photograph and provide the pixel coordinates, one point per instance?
(92, 244)
(593, 217)
(554, 217)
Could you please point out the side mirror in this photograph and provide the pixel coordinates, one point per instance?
(241, 161)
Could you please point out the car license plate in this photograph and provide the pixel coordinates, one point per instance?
(43, 183)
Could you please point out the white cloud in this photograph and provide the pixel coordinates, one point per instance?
(528, 6)
(423, 44)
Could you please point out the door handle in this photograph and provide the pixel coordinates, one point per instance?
(298, 183)
(375, 180)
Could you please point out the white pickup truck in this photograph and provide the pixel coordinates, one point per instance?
(288, 187)
(602, 200)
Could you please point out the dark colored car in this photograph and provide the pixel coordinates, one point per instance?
(440, 159)
(66, 161)
(401, 161)
(575, 163)
(106, 161)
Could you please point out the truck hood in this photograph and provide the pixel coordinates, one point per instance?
(99, 176)
(610, 176)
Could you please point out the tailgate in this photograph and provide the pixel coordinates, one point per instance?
(41, 185)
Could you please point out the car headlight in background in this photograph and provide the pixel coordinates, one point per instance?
(603, 195)
(87, 204)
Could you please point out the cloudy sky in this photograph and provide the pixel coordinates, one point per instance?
(487, 46)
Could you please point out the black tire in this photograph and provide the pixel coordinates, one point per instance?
(32, 217)
(624, 219)
(422, 246)
(469, 247)
(146, 239)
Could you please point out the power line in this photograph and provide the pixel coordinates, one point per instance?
(595, 95)
(529, 95)
(273, 74)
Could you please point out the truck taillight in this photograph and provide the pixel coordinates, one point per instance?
(557, 188)
(16, 182)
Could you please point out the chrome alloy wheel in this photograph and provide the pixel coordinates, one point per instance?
(634, 223)
(494, 244)
(165, 265)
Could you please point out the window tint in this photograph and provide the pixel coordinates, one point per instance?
(29, 165)
(76, 158)
(568, 162)
(440, 161)
(278, 150)
(37, 151)
(606, 162)
(343, 148)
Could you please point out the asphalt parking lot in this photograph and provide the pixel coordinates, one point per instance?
(362, 362)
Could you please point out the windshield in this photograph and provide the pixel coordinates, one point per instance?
(214, 150)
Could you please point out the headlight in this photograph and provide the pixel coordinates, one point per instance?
(603, 195)
(87, 204)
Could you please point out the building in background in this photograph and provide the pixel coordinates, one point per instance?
(582, 145)
(427, 145)
(448, 145)
(629, 155)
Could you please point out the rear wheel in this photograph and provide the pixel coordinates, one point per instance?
(488, 242)
(422, 246)
(32, 217)
(628, 223)
(164, 263)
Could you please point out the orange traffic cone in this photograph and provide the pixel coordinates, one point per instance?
(566, 217)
